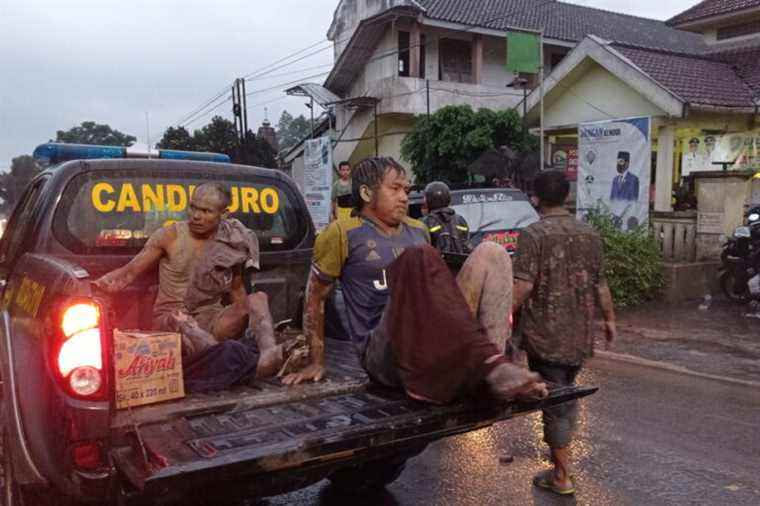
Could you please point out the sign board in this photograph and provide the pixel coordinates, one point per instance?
(317, 180)
(614, 169)
(709, 223)
(148, 367)
(701, 153)
(565, 158)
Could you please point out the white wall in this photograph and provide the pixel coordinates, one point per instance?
(350, 13)
(596, 91)
(494, 63)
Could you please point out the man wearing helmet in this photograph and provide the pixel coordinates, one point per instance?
(449, 231)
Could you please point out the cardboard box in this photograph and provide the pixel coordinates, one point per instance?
(148, 367)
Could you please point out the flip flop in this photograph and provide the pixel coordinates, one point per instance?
(544, 480)
(295, 354)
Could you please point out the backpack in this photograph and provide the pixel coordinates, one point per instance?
(445, 235)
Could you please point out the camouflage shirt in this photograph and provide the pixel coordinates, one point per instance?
(562, 257)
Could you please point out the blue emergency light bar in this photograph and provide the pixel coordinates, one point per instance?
(53, 153)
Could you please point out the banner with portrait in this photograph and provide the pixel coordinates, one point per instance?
(614, 170)
(735, 151)
(317, 180)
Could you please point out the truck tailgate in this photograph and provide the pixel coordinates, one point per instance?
(243, 443)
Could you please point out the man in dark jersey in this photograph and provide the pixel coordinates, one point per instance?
(382, 256)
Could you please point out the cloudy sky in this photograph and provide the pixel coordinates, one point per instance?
(64, 62)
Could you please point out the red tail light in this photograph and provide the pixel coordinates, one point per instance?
(80, 350)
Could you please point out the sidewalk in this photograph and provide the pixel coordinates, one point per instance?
(719, 341)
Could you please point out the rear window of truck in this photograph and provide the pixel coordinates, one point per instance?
(115, 212)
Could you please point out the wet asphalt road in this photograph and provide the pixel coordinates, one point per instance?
(647, 437)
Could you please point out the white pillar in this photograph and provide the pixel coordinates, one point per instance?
(664, 178)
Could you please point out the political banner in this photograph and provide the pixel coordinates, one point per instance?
(614, 170)
(736, 151)
(317, 180)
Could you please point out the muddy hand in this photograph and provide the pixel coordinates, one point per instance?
(313, 372)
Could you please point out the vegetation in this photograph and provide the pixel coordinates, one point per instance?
(443, 145)
(90, 132)
(291, 131)
(220, 136)
(632, 261)
(14, 182)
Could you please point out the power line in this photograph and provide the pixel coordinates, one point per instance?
(289, 73)
(267, 71)
(189, 122)
(257, 73)
(203, 106)
(281, 85)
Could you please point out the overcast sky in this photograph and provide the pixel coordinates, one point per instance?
(64, 62)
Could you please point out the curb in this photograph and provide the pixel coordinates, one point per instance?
(654, 364)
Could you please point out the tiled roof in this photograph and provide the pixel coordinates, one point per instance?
(700, 80)
(564, 21)
(709, 8)
(746, 64)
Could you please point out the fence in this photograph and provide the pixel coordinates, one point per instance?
(677, 235)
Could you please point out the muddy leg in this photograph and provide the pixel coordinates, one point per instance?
(194, 338)
(485, 280)
(262, 327)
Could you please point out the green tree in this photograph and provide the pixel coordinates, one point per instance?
(259, 153)
(90, 132)
(444, 144)
(219, 136)
(14, 182)
(177, 138)
(291, 131)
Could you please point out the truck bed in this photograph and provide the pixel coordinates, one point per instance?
(344, 375)
(265, 428)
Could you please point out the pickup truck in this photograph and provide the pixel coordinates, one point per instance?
(64, 441)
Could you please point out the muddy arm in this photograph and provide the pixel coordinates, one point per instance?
(317, 291)
(151, 253)
(608, 310)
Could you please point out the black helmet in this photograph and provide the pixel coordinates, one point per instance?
(437, 195)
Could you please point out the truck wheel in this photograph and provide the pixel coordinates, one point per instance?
(369, 476)
(374, 474)
(15, 495)
(12, 494)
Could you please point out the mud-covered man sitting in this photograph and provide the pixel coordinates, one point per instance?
(199, 261)
(415, 326)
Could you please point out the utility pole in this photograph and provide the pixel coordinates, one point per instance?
(241, 117)
(377, 140)
(427, 92)
(541, 95)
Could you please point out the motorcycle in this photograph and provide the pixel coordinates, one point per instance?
(740, 261)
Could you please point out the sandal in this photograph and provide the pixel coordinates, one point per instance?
(546, 481)
(295, 355)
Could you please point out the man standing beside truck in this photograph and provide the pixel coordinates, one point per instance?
(199, 260)
(415, 327)
(559, 278)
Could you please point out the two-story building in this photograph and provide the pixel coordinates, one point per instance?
(395, 59)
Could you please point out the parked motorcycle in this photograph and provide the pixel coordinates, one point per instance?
(740, 261)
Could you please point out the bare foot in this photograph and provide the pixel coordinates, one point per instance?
(270, 362)
(508, 381)
(194, 338)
